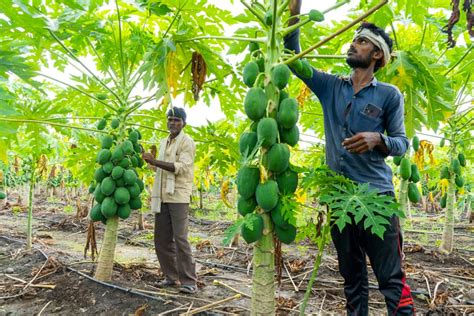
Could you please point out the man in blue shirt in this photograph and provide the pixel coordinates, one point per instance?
(363, 121)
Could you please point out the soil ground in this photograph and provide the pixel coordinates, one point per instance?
(53, 278)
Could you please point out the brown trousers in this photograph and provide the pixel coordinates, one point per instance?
(171, 243)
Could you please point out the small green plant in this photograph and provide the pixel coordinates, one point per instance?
(68, 209)
(194, 240)
(16, 210)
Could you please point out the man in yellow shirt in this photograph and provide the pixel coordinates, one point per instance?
(170, 202)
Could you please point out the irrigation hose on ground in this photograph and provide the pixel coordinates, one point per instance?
(113, 286)
(131, 291)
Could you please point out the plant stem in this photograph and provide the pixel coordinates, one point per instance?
(254, 12)
(172, 22)
(395, 35)
(283, 6)
(148, 127)
(459, 61)
(74, 118)
(335, 6)
(321, 245)
(338, 32)
(105, 263)
(448, 230)
(73, 56)
(326, 57)
(293, 27)
(78, 90)
(122, 61)
(107, 69)
(403, 200)
(224, 38)
(263, 303)
(50, 123)
(29, 226)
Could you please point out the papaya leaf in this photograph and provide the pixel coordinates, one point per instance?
(232, 230)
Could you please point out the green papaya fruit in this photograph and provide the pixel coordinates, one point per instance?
(101, 125)
(444, 173)
(415, 142)
(413, 193)
(459, 180)
(250, 73)
(397, 160)
(462, 159)
(253, 46)
(280, 75)
(316, 16)
(443, 200)
(456, 166)
(268, 18)
(415, 174)
(405, 169)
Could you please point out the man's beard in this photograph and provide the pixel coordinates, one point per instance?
(359, 63)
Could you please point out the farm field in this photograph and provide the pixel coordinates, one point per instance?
(61, 237)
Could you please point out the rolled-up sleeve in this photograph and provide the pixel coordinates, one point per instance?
(185, 160)
(320, 83)
(396, 139)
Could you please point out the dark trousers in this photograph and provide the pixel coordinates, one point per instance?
(171, 243)
(352, 244)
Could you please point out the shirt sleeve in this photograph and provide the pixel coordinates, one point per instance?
(185, 162)
(320, 83)
(395, 138)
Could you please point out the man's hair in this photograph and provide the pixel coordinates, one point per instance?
(378, 31)
(177, 112)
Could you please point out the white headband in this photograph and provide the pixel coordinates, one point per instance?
(378, 41)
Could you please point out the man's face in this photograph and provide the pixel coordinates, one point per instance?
(175, 125)
(361, 53)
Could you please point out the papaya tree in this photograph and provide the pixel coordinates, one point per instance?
(140, 57)
(458, 132)
(32, 142)
(266, 180)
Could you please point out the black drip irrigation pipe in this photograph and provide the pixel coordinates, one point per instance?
(203, 262)
(113, 286)
(222, 266)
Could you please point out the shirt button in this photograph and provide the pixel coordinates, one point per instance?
(342, 158)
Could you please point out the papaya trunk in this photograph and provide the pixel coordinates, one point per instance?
(29, 225)
(105, 264)
(403, 200)
(448, 231)
(200, 200)
(140, 221)
(263, 280)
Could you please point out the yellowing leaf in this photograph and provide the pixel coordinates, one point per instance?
(172, 73)
(444, 185)
(3, 152)
(224, 192)
(301, 196)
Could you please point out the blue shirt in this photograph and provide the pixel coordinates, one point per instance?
(378, 107)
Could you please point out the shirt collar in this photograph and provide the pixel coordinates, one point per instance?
(348, 79)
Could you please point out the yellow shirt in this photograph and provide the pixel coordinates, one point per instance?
(184, 170)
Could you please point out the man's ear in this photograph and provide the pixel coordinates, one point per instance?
(378, 54)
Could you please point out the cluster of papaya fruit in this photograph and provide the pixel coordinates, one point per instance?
(116, 186)
(455, 169)
(409, 172)
(273, 130)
